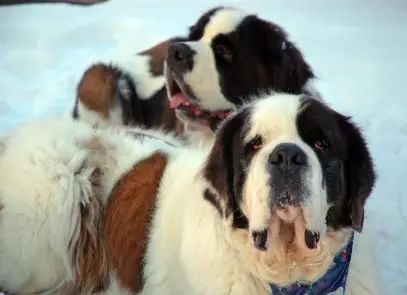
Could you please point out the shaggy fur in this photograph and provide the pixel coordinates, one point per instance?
(148, 215)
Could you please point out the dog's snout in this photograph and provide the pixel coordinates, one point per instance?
(287, 156)
(180, 56)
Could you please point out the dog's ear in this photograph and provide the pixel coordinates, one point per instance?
(158, 54)
(288, 65)
(359, 175)
(221, 167)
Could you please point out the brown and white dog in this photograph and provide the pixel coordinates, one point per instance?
(102, 211)
(127, 92)
(227, 56)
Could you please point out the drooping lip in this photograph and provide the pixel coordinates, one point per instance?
(288, 225)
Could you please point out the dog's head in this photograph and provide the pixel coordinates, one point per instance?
(289, 169)
(229, 56)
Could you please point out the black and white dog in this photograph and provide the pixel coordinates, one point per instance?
(229, 56)
(274, 206)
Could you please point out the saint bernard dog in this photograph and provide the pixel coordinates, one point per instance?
(230, 55)
(227, 56)
(128, 91)
(275, 205)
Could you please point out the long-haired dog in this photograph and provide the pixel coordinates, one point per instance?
(275, 206)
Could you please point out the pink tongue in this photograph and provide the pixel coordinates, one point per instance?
(177, 100)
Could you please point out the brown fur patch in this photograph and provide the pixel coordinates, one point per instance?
(128, 218)
(89, 254)
(96, 90)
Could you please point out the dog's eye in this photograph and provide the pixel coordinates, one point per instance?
(256, 143)
(223, 51)
(321, 145)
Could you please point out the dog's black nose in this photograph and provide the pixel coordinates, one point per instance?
(180, 57)
(287, 156)
(180, 51)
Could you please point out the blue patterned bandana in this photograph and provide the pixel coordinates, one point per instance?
(332, 283)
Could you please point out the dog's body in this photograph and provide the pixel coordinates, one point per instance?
(228, 56)
(108, 212)
(129, 91)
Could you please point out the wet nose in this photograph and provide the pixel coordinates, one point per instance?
(287, 156)
(180, 57)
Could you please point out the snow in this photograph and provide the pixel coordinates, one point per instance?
(357, 49)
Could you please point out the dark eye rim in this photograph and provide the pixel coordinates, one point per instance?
(226, 51)
(254, 145)
(322, 145)
(223, 51)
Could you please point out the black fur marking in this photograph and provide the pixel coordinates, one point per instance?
(262, 58)
(153, 108)
(255, 58)
(130, 102)
(75, 113)
(260, 239)
(225, 169)
(196, 31)
(211, 198)
(348, 168)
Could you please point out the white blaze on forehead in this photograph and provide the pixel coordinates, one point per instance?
(203, 80)
(275, 119)
(223, 21)
(275, 116)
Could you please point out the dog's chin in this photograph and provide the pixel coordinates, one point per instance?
(186, 107)
(192, 122)
(287, 230)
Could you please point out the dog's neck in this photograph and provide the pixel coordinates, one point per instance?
(201, 138)
(334, 280)
(276, 267)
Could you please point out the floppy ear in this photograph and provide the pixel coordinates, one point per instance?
(220, 168)
(359, 174)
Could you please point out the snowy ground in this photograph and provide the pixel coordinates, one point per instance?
(357, 49)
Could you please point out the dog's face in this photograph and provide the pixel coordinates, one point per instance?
(229, 56)
(288, 168)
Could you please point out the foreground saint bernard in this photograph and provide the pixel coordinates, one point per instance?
(275, 206)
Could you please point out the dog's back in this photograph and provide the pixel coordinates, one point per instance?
(44, 179)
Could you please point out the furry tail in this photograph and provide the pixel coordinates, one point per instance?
(80, 234)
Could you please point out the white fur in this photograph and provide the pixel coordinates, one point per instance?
(191, 250)
(203, 79)
(44, 176)
(95, 119)
(139, 68)
(284, 110)
(223, 21)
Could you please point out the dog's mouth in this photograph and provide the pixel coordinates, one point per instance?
(183, 102)
(288, 226)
